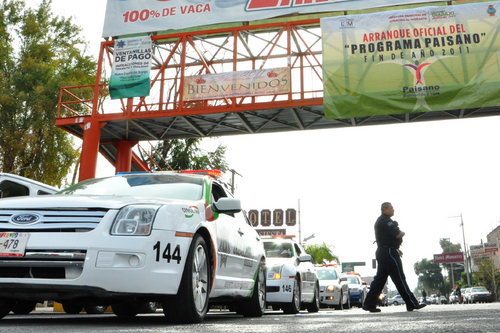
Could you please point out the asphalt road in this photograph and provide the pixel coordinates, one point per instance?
(435, 318)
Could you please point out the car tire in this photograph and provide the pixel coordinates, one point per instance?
(72, 308)
(125, 310)
(95, 309)
(255, 306)
(294, 306)
(314, 306)
(340, 306)
(5, 308)
(395, 303)
(23, 307)
(190, 305)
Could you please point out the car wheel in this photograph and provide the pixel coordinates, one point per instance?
(340, 306)
(395, 303)
(23, 307)
(314, 306)
(5, 307)
(148, 307)
(348, 304)
(72, 308)
(125, 310)
(256, 305)
(190, 305)
(95, 309)
(294, 306)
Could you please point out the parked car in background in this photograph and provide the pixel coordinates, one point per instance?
(479, 294)
(433, 299)
(443, 300)
(333, 292)
(17, 186)
(396, 300)
(291, 278)
(454, 298)
(357, 288)
(465, 295)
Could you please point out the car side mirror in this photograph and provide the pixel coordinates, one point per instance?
(305, 257)
(227, 206)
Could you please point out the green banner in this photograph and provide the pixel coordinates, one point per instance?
(416, 60)
(131, 68)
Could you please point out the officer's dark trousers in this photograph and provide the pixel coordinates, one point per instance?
(389, 264)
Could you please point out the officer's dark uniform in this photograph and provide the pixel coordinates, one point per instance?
(389, 264)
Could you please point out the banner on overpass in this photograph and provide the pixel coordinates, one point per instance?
(448, 257)
(124, 17)
(416, 60)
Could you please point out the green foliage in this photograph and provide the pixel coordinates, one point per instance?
(430, 276)
(449, 247)
(185, 154)
(484, 275)
(321, 253)
(39, 53)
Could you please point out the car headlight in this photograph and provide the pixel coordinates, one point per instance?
(134, 220)
(330, 288)
(274, 272)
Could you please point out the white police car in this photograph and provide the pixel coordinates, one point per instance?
(333, 291)
(357, 288)
(291, 279)
(170, 237)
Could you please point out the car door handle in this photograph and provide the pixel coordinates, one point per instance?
(240, 232)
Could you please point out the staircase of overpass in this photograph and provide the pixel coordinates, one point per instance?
(114, 127)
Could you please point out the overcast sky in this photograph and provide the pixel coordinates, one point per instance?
(429, 171)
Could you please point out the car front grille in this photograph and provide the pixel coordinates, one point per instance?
(74, 220)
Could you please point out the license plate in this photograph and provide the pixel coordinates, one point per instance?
(13, 244)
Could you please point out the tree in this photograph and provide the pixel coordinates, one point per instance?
(321, 253)
(484, 275)
(39, 53)
(449, 247)
(185, 154)
(429, 275)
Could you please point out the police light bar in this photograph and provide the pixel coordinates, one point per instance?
(211, 173)
(284, 236)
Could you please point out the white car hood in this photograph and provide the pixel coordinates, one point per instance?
(279, 261)
(77, 201)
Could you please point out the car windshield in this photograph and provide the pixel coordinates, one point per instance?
(278, 250)
(352, 280)
(169, 186)
(327, 274)
(479, 289)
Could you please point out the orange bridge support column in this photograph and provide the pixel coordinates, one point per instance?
(124, 155)
(90, 149)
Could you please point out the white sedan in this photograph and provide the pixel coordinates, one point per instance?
(292, 282)
(333, 291)
(169, 237)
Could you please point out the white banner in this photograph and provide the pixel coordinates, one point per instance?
(124, 17)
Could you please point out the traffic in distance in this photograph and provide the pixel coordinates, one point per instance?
(179, 241)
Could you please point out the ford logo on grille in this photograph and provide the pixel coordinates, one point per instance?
(25, 218)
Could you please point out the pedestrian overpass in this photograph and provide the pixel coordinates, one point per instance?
(114, 127)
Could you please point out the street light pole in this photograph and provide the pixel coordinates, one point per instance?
(466, 264)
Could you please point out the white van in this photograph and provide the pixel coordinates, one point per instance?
(16, 186)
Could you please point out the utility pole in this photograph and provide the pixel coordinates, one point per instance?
(233, 172)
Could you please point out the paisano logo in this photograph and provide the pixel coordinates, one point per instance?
(190, 211)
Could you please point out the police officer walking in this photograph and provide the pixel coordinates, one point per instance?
(389, 238)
